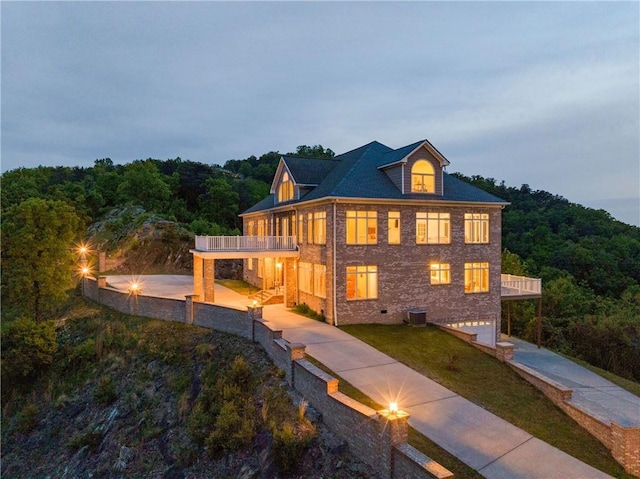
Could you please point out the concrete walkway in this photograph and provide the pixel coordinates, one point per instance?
(591, 392)
(487, 443)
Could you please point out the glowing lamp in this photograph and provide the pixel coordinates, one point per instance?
(393, 407)
(255, 303)
(85, 270)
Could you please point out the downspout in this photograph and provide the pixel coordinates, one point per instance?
(402, 177)
(335, 307)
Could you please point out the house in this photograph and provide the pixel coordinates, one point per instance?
(380, 232)
(374, 235)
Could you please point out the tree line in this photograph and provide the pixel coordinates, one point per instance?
(589, 262)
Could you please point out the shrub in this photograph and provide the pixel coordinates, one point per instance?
(27, 418)
(27, 348)
(91, 438)
(105, 392)
(289, 447)
(232, 430)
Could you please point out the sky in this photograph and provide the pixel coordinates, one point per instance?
(539, 93)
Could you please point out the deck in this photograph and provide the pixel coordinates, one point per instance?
(520, 287)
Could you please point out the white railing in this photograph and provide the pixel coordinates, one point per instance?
(520, 285)
(246, 243)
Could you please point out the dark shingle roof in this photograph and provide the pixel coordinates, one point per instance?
(309, 171)
(355, 174)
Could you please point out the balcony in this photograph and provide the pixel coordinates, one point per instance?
(520, 287)
(245, 246)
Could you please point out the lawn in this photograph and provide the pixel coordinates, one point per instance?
(239, 286)
(489, 383)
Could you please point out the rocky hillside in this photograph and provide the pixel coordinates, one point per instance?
(130, 397)
(137, 242)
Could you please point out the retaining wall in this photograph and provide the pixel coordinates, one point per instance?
(624, 443)
(377, 438)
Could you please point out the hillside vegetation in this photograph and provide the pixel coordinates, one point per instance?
(589, 263)
(132, 397)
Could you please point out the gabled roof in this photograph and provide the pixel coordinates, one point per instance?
(309, 171)
(359, 174)
(402, 154)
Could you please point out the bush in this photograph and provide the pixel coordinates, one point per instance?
(105, 392)
(289, 447)
(27, 418)
(232, 430)
(27, 348)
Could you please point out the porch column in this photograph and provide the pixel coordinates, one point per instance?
(197, 276)
(209, 278)
(289, 283)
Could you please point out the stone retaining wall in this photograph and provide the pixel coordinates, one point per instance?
(377, 438)
(624, 443)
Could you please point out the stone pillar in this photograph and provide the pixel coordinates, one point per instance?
(197, 275)
(625, 447)
(255, 312)
(102, 282)
(290, 283)
(393, 431)
(188, 307)
(102, 261)
(209, 278)
(296, 351)
(504, 351)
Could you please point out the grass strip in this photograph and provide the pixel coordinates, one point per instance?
(489, 383)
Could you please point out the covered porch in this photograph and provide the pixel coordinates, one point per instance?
(276, 257)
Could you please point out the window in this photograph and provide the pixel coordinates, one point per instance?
(320, 280)
(362, 227)
(476, 228)
(433, 228)
(261, 228)
(260, 267)
(320, 227)
(250, 264)
(476, 277)
(362, 282)
(293, 225)
(300, 228)
(310, 228)
(285, 190)
(440, 273)
(305, 272)
(423, 178)
(251, 228)
(393, 236)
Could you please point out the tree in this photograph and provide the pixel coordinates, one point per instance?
(143, 184)
(220, 203)
(316, 151)
(37, 254)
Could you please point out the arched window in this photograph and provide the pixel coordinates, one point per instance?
(423, 177)
(285, 191)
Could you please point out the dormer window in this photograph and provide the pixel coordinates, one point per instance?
(423, 177)
(285, 190)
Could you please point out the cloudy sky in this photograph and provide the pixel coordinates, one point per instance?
(543, 93)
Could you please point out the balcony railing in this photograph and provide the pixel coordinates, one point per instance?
(520, 285)
(246, 243)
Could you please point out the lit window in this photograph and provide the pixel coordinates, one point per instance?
(393, 236)
(440, 273)
(310, 228)
(476, 277)
(285, 190)
(320, 227)
(362, 282)
(250, 264)
(251, 228)
(260, 267)
(362, 227)
(300, 228)
(423, 178)
(261, 231)
(305, 272)
(433, 228)
(320, 280)
(476, 228)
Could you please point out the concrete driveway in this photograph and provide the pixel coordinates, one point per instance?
(591, 392)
